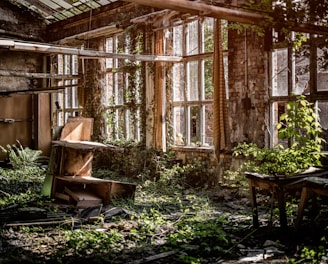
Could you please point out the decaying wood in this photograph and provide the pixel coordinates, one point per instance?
(43, 222)
(83, 198)
(36, 75)
(77, 128)
(87, 54)
(154, 257)
(233, 15)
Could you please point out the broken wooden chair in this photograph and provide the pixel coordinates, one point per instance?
(72, 179)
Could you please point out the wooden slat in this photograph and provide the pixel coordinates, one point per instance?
(36, 75)
(83, 198)
(77, 128)
(83, 179)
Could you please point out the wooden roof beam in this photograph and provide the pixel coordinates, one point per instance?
(87, 54)
(233, 15)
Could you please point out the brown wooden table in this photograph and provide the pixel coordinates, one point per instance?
(278, 186)
(312, 186)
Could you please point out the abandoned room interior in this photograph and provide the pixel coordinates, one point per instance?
(196, 78)
(115, 85)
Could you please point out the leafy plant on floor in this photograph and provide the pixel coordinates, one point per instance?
(20, 157)
(301, 128)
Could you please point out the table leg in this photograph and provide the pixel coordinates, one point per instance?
(282, 207)
(253, 203)
(300, 211)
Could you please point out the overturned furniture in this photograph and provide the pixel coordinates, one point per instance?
(72, 156)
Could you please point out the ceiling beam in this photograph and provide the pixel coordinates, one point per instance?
(35, 75)
(201, 9)
(233, 15)
(82, 53)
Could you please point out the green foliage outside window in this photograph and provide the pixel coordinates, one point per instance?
(300, 126)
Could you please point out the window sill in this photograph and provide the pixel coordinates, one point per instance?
(193, 149)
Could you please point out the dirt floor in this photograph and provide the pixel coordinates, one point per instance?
(267, 244)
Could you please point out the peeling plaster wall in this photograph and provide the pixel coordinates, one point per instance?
(19, 62)
(248, 92)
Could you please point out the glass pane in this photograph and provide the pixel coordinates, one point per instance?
(68, 98)
(208, 82)
(323, 116)
(177, 40)
(109, 49)
(133, 125)
(192, 78)
(120, 121)
(178, 82)
(60, 64)
(279, 108)
(208, 125)
(179, 125)
(280, 72)
(194, 124)
(75, 99)
(322, 68)
(302, 70)
(207, 36)
(192, 38)
(75, 64)
(119, 88)
(67, 61)
(109, 93)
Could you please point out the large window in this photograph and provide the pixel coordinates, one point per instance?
(122, 98)
(299, 70)
(66, 104)
(189, 83)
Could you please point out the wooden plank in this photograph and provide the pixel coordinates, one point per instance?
(83, 179)
(62, 196)
(120, 190)
(83, 198)
(37, 75)
(77, 162)
(77, 128)
(82, 145)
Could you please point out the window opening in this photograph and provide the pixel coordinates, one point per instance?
(122, 98)
(302, 70)
(190, 83)
(66, 103)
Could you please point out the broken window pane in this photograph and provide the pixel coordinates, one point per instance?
(208, 129)
(280, 72)
(194, 122)
(178, 82)
(207, 78)
(177, 40)
(119, 88)
(109, 49)
(302, 70)
(323, 118)
(192, 38)
(322, 68)
(207, 35)
(179, 125)
(192, 80)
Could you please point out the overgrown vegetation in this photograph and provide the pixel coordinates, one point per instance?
(299, 130)
(23, 180)
(167, 216)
